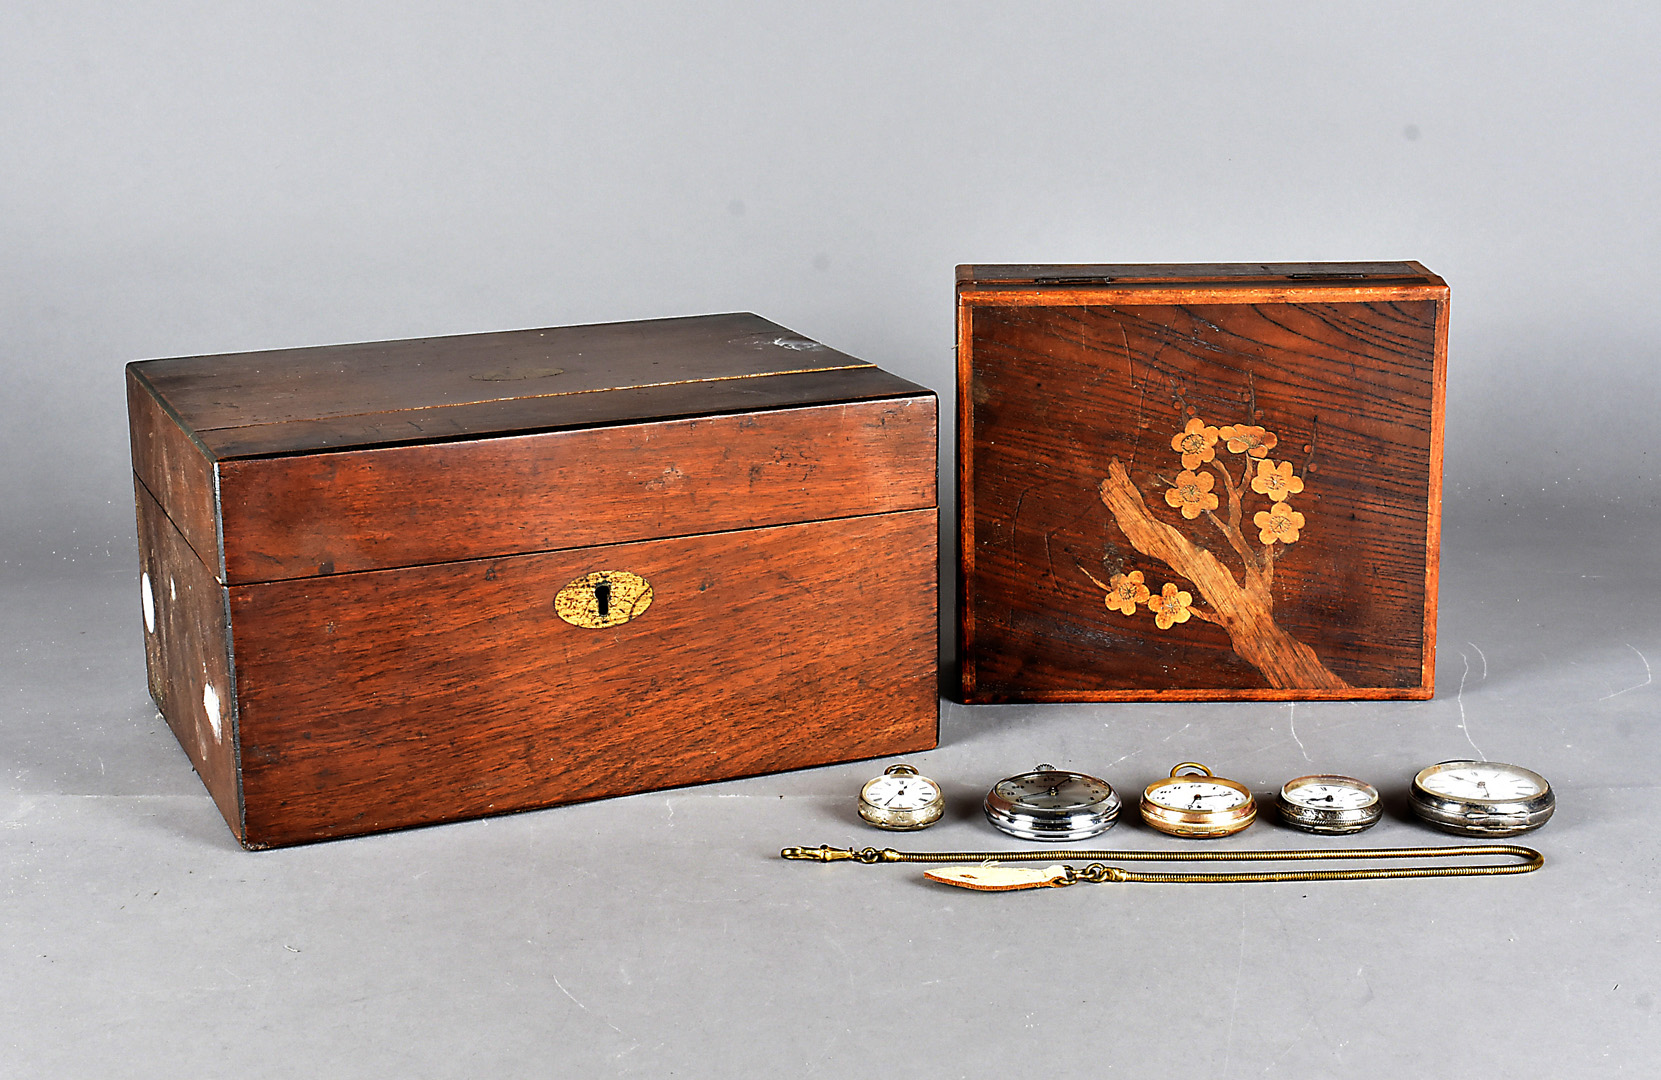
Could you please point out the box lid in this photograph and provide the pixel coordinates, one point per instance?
(1163, 276)
(295, 401)
(317, 461)
(1200, 481)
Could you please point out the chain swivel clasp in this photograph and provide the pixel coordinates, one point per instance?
(826, 853)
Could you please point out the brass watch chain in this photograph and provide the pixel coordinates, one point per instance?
(1098, 871)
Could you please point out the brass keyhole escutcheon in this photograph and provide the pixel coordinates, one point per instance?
(603, 598)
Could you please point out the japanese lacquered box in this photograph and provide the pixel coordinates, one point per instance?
(398, 583)
(1199, 481)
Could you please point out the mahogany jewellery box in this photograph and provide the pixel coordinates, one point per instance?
(413, 581)
(1199, 482)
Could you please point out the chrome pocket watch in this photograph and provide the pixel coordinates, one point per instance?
(1482, 798)
(1329, 804)
(901, 799)
(1052, 804)
(1201, 806)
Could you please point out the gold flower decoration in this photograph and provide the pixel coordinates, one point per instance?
(1192, 493)
(1195, 442)
(1248, 439)
(1125, 591)
(1170, 606)
(1279, 522)
(1275, 480)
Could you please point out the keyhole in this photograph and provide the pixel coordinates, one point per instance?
(602, 599)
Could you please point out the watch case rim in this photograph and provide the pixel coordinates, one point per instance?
(895, 820)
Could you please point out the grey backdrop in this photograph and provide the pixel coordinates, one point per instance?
(200, 177)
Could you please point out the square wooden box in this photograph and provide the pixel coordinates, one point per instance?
(1199, 482)
(406, 582)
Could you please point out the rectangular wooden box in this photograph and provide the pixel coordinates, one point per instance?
(1199, 482)
(407, 582)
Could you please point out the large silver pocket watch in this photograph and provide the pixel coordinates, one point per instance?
(1050, 804)
(1482, 798)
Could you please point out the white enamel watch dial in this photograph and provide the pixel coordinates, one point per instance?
(1482, 798)
(901, 798)
(1202, 805)
(1050, 804)
(1329, 804)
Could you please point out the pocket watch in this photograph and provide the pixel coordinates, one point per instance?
(1329, 804)
(1202, 806)
(901, 798)
(1482, 798)
(1052, 804)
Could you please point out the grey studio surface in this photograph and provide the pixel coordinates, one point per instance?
(185, 179)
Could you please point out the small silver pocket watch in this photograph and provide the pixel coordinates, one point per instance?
(901, 799)
(1329, 804)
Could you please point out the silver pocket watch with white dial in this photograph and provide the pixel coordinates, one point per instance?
(1329, 804)
(901, 799)
(1482, 798)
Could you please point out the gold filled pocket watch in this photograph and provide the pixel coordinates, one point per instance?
(901, 799)
(1200, 805)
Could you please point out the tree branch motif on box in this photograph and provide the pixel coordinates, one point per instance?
(1243, 608)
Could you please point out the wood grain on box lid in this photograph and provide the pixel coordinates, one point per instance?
(427, 389)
